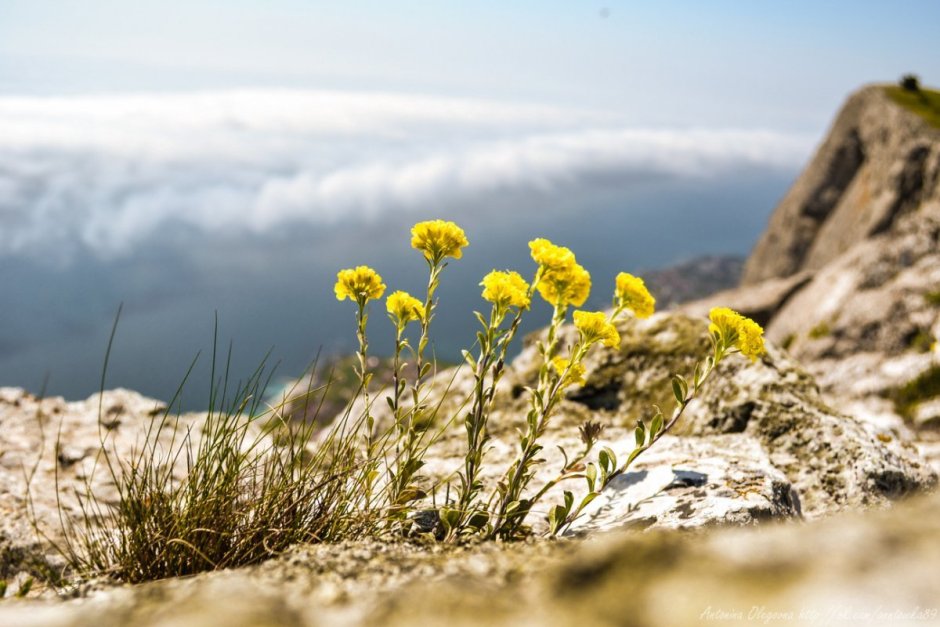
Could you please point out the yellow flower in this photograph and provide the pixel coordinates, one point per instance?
(738, 330)
(359, 284)
(595, 326)
(575, 373)
(506, 289)
(404, 307)
(550, 256)
(438, 239)
(565, 286)
(631, 293)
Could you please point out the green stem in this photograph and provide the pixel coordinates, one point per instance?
(476, 423)
(361, 319)
(518, 476)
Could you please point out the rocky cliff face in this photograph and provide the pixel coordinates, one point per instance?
(847, 275)
(879, 162)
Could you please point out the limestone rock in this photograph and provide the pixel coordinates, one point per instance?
(878, 162)
(871, 567)
(877, 568)
(760, 302)
(832, 460)
(50, 451)
(847, 275)
(692, 483)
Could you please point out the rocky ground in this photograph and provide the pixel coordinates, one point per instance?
(872, 568)
(760, 445)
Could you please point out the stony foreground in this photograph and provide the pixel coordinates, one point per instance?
(876, 568)
(760, 446)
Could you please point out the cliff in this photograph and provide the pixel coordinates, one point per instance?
(879, 162)
(847, 275)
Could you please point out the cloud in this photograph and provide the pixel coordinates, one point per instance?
(109, 172)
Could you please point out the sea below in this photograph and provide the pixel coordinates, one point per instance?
(272, 292)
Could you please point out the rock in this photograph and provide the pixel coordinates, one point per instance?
(832, 460)
(857, 567)
(764, 425)
(873, 298)
(866, 324)
(760, 302)
(57, 446)
(847, 275)
(878, 162)
(877, 568)
(927, 415)
(692, 483)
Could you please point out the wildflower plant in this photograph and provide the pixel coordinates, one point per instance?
(254, 483)
(502, 511)
(360, 285)
(437, 240)
(509, 294)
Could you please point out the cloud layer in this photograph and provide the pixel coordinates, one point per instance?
(106, 173)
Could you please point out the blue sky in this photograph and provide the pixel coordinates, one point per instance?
(780, 65)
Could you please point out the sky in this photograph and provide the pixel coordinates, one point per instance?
(778, 65)
(187, 158)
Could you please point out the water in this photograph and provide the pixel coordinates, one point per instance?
(273, 290)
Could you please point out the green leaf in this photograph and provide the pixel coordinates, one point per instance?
(424, 370)
(469, 358)
(478, 520)
(679, 388)
(449, 518)
(657, 425)
(590, 496)
(555, 519)
(640, 434)
(607, 460)
(603, 458)
(590, 474)
(569, 500)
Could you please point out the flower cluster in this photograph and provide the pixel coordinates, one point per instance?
(359, 284)
(550, 256)
(561, 282)
(631, 293)
(575, 374)
(595, 326)
(733, 329)
(506, 289)
(438, 239)
(404, 308)
(569, 286)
